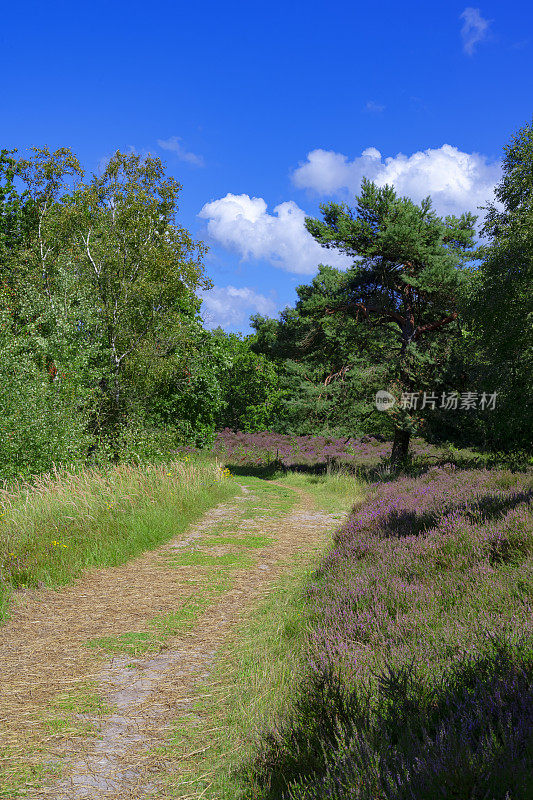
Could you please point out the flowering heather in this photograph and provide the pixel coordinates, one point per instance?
(420, 650)
(262, 449)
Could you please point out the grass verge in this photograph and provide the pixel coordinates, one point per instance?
(335, 491)
(63, 523)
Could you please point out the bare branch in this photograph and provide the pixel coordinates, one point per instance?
(433, 326)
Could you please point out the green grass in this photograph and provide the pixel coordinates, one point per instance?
(246, 540)
(61, 524)
(253, 679)
(335, 491)
(16, 779)
(133, 643)
(66, 707)
(276, 500)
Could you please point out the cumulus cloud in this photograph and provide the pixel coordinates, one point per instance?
(456, 181)
(243, 224)
(475, 29)
(326, 172)
(174, 144)
(230, 307)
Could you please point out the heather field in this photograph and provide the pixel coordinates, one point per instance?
(266, 403)
(258, 450)
(419, 651)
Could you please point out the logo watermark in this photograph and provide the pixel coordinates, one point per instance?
(448, 401)
(384, 400)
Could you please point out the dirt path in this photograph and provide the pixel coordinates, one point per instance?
(44, 652)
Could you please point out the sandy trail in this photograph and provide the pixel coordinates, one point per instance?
(43, 649)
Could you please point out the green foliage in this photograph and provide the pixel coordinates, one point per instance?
(41, 420)
(104, 355)
(411, 314)
(250, 385)
(499, 307)
(176, 383)
(13, 220)
(388, 322)
(406, 278)
(330, 366)
(141, 267)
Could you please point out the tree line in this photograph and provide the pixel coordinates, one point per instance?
(104, 355)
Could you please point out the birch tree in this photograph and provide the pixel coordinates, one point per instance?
(142, 266)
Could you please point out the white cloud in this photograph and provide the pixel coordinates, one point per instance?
(327, 172)
(475, 29)
(456, 181)
(373, 107)
(230, 307)
(243, 224)
(174, 145)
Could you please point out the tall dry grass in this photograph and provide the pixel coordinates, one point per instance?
(58, 524)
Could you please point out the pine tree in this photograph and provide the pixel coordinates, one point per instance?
(406, 276)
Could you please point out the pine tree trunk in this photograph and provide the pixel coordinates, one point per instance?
(400, 447)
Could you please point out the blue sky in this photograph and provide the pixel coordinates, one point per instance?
(263, 111)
